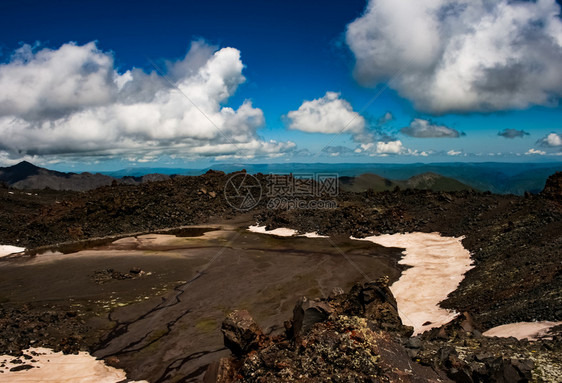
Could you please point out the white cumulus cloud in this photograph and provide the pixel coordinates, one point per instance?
(329, 114)
(461, 55)
(382, 147)
(535, 152)
(55, 82)
(72, 101)
(391, 147)
(551, 140)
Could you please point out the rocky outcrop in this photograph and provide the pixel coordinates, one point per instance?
(342, 338)
(241, 333)
(358, 337)
(553, 187)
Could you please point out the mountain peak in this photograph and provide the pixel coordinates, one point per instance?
(18, 172)
(24, 164)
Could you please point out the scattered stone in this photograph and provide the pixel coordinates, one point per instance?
(241, 333)
(414, 342)
(23, 367)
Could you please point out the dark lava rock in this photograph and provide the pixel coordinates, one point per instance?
(108, 275)
(337, 339)
(24, 327)
(467, 356)
(358, 337)
(306, 313)
(241, 333)
(553, 187)
(22, 367)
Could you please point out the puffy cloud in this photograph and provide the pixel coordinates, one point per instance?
(391, 147)
(55, 82)
(461, 55)
(535, 152)
(512, 133)
(383, 148)
(72, 102)
(329, 114)
(420, 128)
(551, 140)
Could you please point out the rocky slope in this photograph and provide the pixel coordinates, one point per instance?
(515, 242)
(45, 217)
(553, 187)
(358, 337)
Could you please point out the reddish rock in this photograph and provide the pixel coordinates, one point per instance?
(241, 332)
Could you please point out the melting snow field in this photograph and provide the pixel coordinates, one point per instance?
(438, 266)
(49, 366)
(522, 330)
(6, 250)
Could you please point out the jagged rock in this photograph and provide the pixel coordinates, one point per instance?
(553, 187)
(241, 333)
(508, 371)
(306, 313)
(358, 337)
(332, 339)
(375, 301)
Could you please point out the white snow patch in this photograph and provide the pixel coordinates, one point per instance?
(313, 235)
(522, 330)
(6, 250)
(284, 232)
(438, 266)
(281, 232)
(50, 366)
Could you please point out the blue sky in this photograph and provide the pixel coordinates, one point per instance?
(291, 53)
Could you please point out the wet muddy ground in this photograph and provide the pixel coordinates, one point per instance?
(153, 303)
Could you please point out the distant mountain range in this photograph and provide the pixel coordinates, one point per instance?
(501, 178)
(425, 181)
(496, 177)
(28, 176)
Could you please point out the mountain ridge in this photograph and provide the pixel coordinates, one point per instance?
(425, 181)
(499, 178)
(25, 175)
